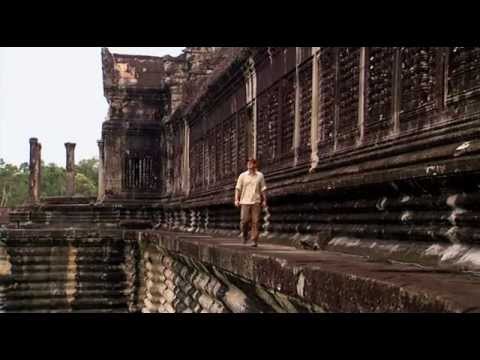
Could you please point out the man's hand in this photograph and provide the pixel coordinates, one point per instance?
(237, 203)
(264, 199)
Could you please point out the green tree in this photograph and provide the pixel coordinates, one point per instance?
(88, 168)
(13, 184)
(52, 182)
(84, 186)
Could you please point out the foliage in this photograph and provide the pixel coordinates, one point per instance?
(84, 185)
(88, 168)
(13, 184)
(52, 182)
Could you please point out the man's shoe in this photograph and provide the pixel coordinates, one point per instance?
(255, 244)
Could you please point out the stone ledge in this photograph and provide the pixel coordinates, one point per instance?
(68, 200)
(336, 282)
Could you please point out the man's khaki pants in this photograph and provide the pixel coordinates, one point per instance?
(250, 213)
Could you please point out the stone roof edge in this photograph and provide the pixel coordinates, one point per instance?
(152, 57)
(186, 110)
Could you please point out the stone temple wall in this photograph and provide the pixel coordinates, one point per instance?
(363, 143)
(143, 92)
(153, 271)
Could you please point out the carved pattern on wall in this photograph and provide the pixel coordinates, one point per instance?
(464, 65)
(379, 92)
(210, 164)
(463, 83)
(178, 149)
(242, 140)
(287, 116)
(327, 90)
(305, 78)
(347, 129)
(417, 85)
(403, 88)
(229, 148)
(218, 154)
(138, 173)
(267, 126)
(197, 165)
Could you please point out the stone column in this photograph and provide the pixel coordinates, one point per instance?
(35, 166)
(186, 160)
(251, 94)
(254, 113)
(315, 108)
(296, 129)
(361, 96)
(101, 184)
(396, 91)
(70, 168)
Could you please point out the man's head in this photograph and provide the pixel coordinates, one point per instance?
(252, 164)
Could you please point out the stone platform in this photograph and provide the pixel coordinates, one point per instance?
(48, 270)
(332, 281)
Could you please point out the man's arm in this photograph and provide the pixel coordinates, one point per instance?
(237, 197)
(264, 192)
(238, 189)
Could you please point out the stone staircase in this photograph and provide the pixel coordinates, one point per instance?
(61, 271)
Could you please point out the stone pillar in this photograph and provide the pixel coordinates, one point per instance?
(361, 96)
(396, 91)
(254, 113)
(70, 168)
(296, 129)
(35, 167)
(251, 94)
(101, 184)
(315, 108)
(186, 160)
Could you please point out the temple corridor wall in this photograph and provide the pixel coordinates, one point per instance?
(312, 105)
(369, 138)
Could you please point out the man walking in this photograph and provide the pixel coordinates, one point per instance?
(250, 196)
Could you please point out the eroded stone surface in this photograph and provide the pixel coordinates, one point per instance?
(324, 281)
(67, 271)
(4, 216)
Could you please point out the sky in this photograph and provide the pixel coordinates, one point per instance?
(55, 95)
